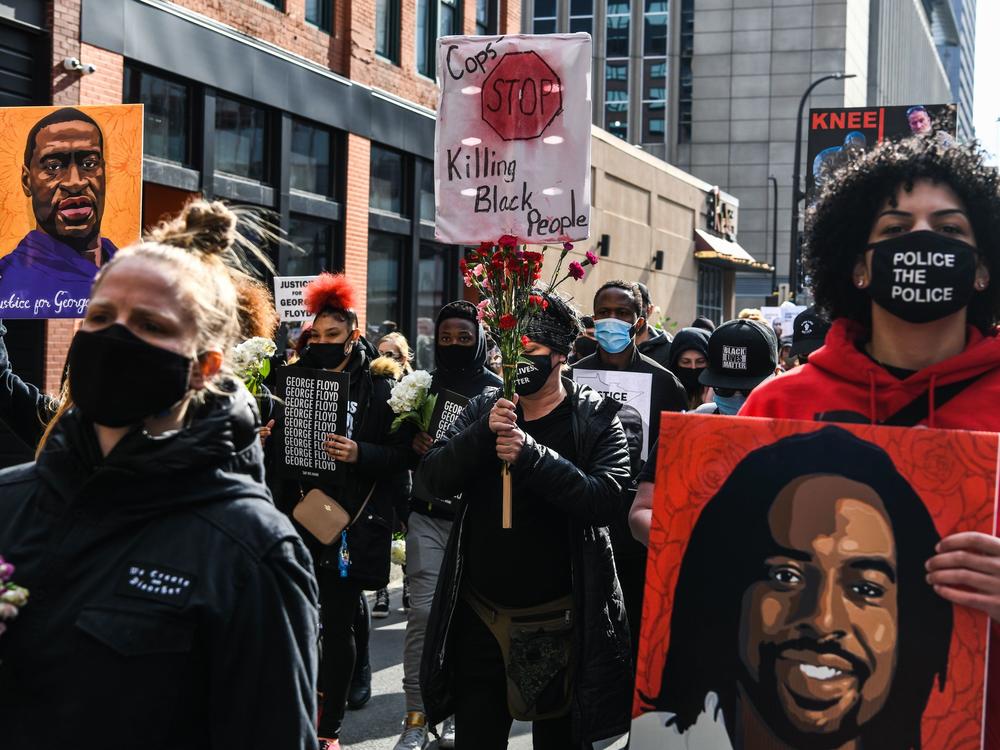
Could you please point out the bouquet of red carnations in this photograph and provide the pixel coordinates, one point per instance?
(505, 274)
(12, 597)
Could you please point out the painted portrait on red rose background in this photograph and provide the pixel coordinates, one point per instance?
(786, 598)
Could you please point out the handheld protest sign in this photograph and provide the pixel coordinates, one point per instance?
(72, 195)
(449, 405)
(786, 582)
(316, 405)
(633, 390)
(288, 300)
(512, 145)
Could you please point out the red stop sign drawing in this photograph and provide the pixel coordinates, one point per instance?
(521, 97)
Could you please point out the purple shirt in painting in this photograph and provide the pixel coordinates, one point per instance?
(44, 278)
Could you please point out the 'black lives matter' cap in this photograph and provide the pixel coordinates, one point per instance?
(741, 354)
(808, 331)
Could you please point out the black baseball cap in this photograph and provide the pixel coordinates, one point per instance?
(808, 331)
(741, 355)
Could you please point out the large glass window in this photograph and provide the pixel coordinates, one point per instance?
(685, 75)
(320, 13)
(581, 16)
(432, 287)
(616, 82)
(654, 79)
(314, 242)
(545, 16)
(387, 180)
(486, 22)
(434, 18)
(387, 29)
(310, 158)
(711, 280)
(385, 256)
(166, 114)
(427, 207)
(240, 139)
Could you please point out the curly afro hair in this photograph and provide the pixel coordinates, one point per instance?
(330, 292)
(838, 224)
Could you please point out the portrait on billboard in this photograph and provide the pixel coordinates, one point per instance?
(787, 603)
(72, 180)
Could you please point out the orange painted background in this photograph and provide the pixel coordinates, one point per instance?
(954, 472)
(122, 128)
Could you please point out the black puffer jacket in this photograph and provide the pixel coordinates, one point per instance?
(383, 460)
(591, 498)
(23, 407)
(164, 584)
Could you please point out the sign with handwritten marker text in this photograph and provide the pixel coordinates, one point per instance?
(513, 138)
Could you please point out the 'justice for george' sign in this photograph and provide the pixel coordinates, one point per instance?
(513, 138)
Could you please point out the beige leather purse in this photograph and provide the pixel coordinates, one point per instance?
(324, 517)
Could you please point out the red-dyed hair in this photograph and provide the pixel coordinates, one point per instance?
(329, 291)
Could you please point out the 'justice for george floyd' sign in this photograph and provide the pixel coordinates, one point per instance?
(513, 138)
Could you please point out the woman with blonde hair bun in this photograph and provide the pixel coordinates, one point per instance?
(163, 580)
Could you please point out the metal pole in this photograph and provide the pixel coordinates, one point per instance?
(797, 193)
(774, 232)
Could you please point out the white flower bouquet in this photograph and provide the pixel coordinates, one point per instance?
(12, 597)
(251, 363)
(412, 401)
(397, 552)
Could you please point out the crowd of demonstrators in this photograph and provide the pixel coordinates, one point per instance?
(554, 570)
(688, 359)
(164, 581)
(372, 460)
(618, 316)
(460, 350)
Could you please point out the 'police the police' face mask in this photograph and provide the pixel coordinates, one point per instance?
(922, 276)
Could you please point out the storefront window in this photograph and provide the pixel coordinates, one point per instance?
(385, 255)
(166, 114)
(240, 139)
(313, 251)
(310, 158)
(431, 291)
(427, 207)
(387, 179)
(710, 289)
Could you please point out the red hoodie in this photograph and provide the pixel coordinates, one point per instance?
(841, 383)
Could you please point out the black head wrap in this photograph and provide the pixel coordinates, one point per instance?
(557, 326)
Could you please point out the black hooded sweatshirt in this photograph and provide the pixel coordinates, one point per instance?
(171, 605)
(469, 381)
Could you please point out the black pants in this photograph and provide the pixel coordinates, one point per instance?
(482, 721)
(362, 630)
(338, 601)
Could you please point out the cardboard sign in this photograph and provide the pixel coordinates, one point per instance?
(782, 319)
(512, 146)
(836, 135)
(288, 298)
(71, 195)
(786, 570)
(634, 391)
(316, 405)
(449, 405)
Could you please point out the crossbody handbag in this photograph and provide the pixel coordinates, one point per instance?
(324, 517)
(537, 647)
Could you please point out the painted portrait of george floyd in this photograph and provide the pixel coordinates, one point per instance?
(787, 604)
(72, 195)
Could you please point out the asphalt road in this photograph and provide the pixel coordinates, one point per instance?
(377, 726)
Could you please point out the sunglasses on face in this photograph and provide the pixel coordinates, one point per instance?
(730, 392)
(391, 355)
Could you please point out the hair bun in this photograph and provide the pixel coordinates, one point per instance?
(204, 226)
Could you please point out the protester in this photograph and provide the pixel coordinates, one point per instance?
(24, 408)
(808, 333)
(704, 323)
(586, 343)
(395, 346)
(688, 359)
(494, 360)
(652, 342)
(569, 463)
(460, 353)
(164, 581)
(742, 354)
(371, 458)
(618, 314)
(922, 351)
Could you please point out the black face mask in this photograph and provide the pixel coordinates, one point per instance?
(455, 357)
(689, 378)
(323, 356)
(584, 346)
(922, 276)
(531, 376)
(116, 379)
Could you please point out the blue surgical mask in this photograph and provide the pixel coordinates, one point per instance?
(730, 405)
(613, 335)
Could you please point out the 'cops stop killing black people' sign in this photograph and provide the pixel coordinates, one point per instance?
(513, 138)
(316, 405)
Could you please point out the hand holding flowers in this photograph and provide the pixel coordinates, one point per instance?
(12, 597)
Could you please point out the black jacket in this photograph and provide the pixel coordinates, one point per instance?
(171, 605)
(591, 497)
(383, 460)
(657, 346)
(23, 407)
